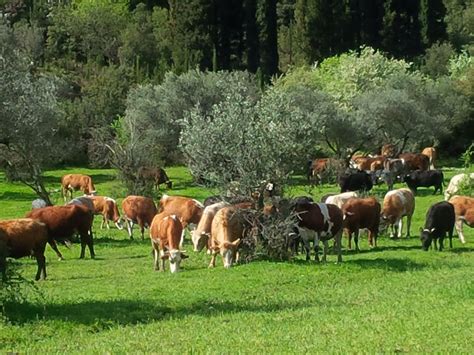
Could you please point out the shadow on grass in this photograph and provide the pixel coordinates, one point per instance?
(18, 196)
(102, 315)
(396, 265)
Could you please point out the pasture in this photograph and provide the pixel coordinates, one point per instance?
(395, 298)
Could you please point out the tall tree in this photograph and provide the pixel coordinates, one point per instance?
(268, 37)
(229, 31)
(251, 35)
(432, 14)
(366, 18)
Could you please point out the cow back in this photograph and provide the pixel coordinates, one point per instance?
(362, 213)
(139, 208)
(167, 230)
(398, 203)
(22, 237)
(187, 209)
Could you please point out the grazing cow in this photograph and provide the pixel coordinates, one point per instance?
(396, 205)
(340, 199)
(226, 234)
(320, 169)
(432, 155)
(464, 211)
(361, 213)
(388, 150)
(188, 210)
(63, 222)
(355, 181)
(419, 178)
(322, 222)
(140, 210)
(107, 207)
(74, 182)
(439, 221)
(415, 161)
(165, 234)
(24, 237)
(201, 235)
(456, 182)
(157, 175)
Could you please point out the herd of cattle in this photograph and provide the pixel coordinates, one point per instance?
(218, 225)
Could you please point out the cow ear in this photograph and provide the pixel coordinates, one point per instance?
(165, 256)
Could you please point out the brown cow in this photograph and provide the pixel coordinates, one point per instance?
(157, 175)
(63, 222)
(74, 182)
(24, 237)
(107, 207)
(361, 213)
(364, 163)
(201, 235)
(431, 153)
(415, 161)
(140, 210)
(388, 150)
(464, 211)
(226, 234)
(188, 210)
(165, 234)
(319, 169)
(322, 222)
(396, 205)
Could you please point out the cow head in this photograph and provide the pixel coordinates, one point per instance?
(175, 256)
(228, 251)
(199, 240)
(426, 237)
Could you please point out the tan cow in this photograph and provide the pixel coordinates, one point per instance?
(431, 153)
(388, 150)
(396, 205)
(107, 207)
(415, 161)
(140, 210)
(226, 234)
(24, 237)
(165, 234)
(188, 210)
(464, 211)
(365, 163)
(201, 235)
(361, 213)
(74, 182)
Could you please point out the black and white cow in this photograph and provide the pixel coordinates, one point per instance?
(439, 221)
(419, 178)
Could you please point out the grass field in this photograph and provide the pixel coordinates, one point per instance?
(395, 298)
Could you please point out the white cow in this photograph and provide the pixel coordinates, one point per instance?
(455, 183)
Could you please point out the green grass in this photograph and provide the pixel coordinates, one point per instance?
(395, 298)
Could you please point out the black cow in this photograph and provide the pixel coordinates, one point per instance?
(439, 220)
(420, 178)
(359, 180)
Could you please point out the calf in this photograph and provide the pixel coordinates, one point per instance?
(456, 182)
(140, 210)
(464, 211)
(165, 234)
(322, 222)
(226, 234)
(63, 222)
(340, 199)
(421, 178)
(74, 182)
(396, 205)
(439, 221)
(361, 213)
(107, 207)
(355, 182)
(24, 237)
(415, 161)
(201, 235)
(188, 210)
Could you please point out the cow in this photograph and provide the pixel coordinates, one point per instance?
(63, 222)
(188, 210)
(439, 221)
(24, 237)
(227, 231)
(107, 207)
(165, 235)
(85, 201)
(396, 205)
(355, 181)
(456, 182)
(201, 235)
(361, 213)
(419, 178)
(139, 210)
(388, 150)
(365, 163)
(157, 175)
(319, 221)
(74, 182)
(340, 199)
(393, 171)
(432, 155)
(464, 211)
(415, 161)
(320, 169)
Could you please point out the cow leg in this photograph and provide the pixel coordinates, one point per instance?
(316, 247)
(356, 239)
(325, 250)
(338, 245)
(393, 231)
(53, 244)
(237, 257)
(142, 231)
(459, 227)
(409, 217)
(450, 235)
(41, 261)
(107, 222)
(441, 243)
(212, 264)
(307, 248)
(162, 261)
(90, 244)
(349, 239)
(129, 224)
(400, 227)
(181, 241)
